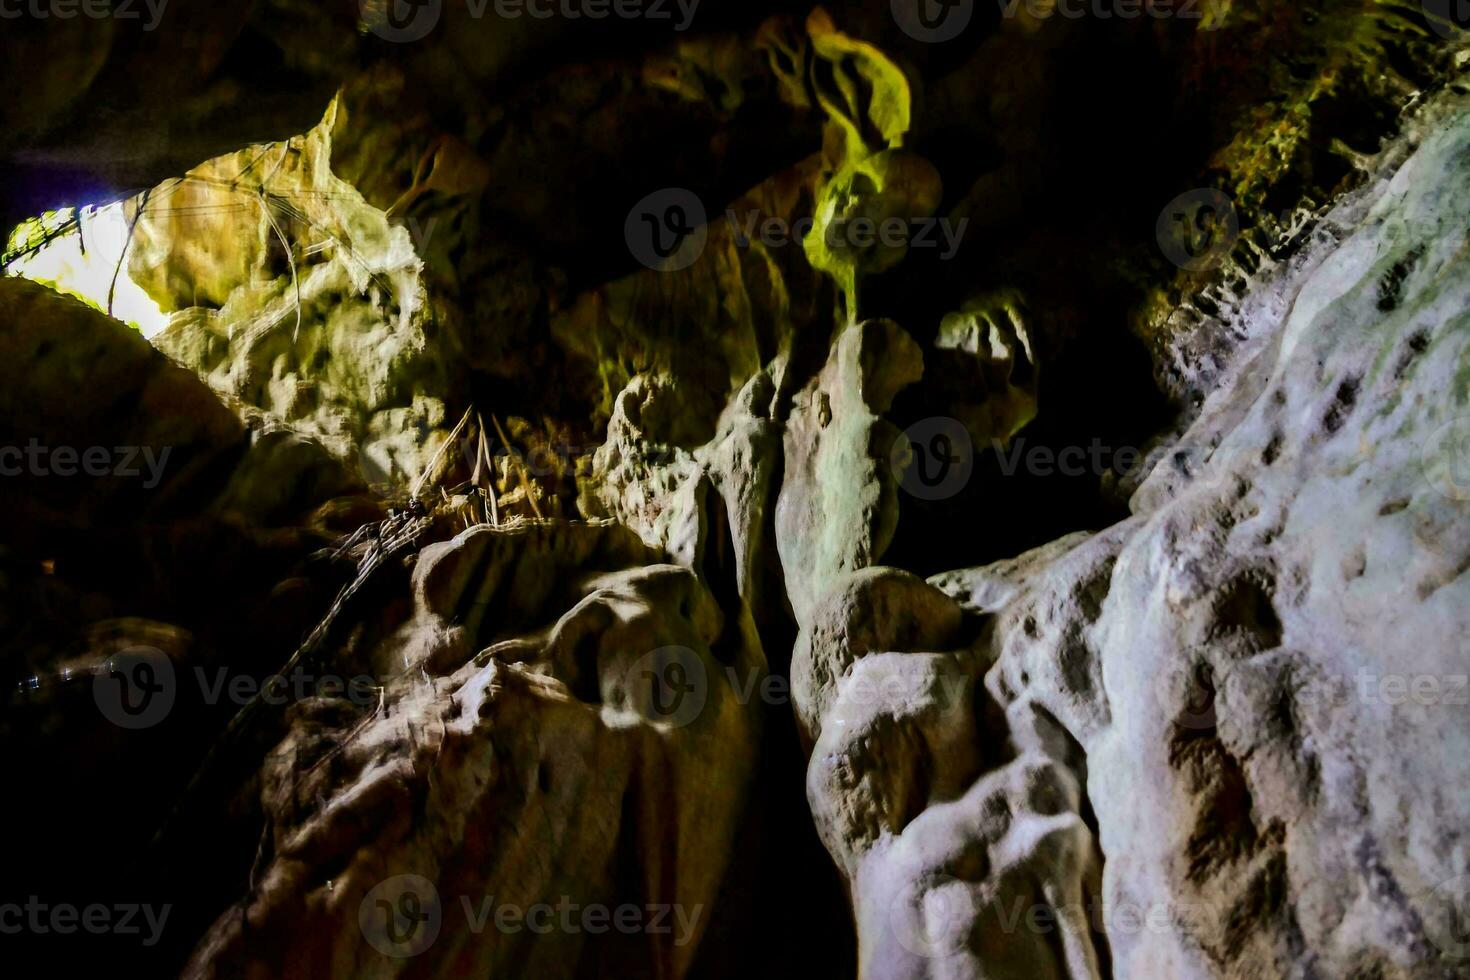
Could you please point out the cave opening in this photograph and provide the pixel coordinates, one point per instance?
(382, 369)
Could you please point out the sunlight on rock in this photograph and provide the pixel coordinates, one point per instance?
(879, 490)
(80, 253)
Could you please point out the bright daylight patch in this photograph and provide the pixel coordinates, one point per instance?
(82, 253)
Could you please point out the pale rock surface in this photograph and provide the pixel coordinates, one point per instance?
(838, 505)
(1223, 738)
(869, 611)
(1258, 680)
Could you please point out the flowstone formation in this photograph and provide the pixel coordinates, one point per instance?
(1226, 674)
(514, 756)
(869, 180)
(513, 599)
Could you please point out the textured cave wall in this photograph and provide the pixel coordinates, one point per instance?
(118, 103)
(1232, 726)
(511, 176)
(1135, 750)
(196, 544)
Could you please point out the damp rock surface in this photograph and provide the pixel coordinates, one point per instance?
(1224, 737)
(729, 609)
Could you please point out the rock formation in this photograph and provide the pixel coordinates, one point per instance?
(790, 495)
